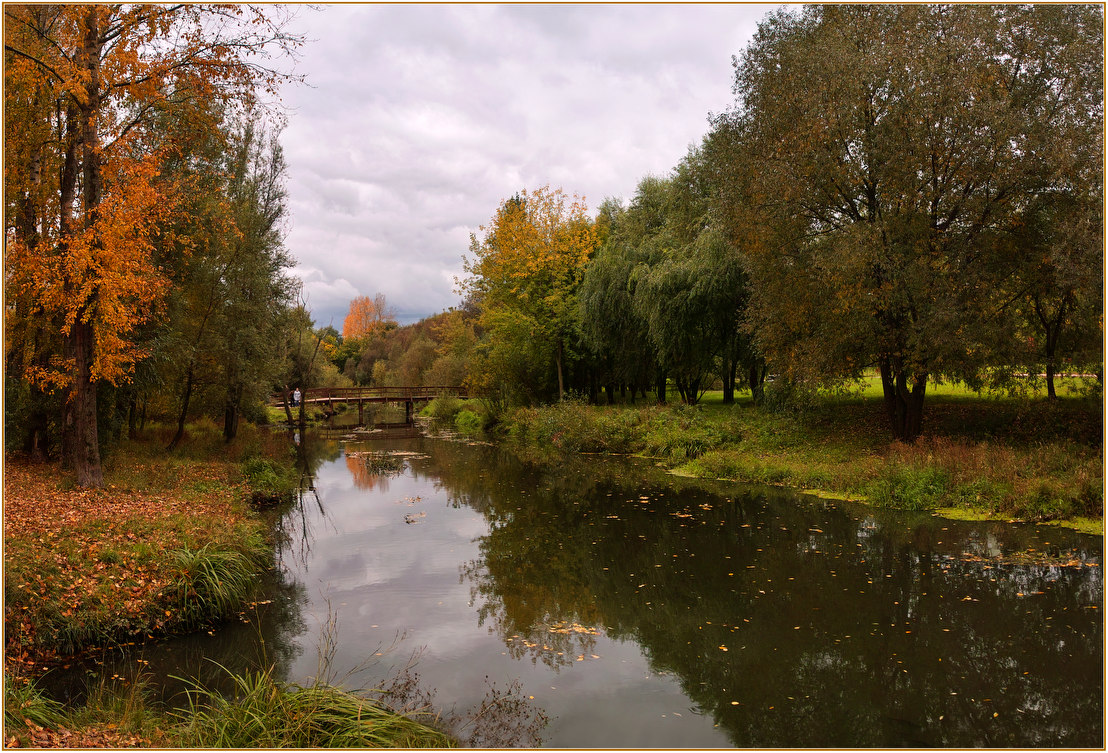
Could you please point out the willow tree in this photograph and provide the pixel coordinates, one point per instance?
(892, 149)
(83, 84)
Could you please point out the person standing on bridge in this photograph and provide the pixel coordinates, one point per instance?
(296, 397)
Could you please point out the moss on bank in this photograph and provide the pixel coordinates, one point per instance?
(1020, 460)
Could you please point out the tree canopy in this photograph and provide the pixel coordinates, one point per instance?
(894, 152)
(90, 91)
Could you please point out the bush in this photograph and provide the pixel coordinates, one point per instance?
(468, 422)
(909, 488)
(787, 396)
(270, 482)
(443, 407)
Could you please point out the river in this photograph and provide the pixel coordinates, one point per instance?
(638, 609)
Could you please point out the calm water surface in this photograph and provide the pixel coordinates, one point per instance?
(644, 610)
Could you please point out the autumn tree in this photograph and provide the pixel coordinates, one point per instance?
(895, 147)
(525, 273)
(83, 84)
(367, 317)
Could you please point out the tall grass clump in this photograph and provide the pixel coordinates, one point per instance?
(25, 705)
(265, 713)
(909, 488)
(573, 426)
(213, 581)
(270, 481)
(686, 433)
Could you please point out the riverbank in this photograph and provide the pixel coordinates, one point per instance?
(170, 545)
(985, 458)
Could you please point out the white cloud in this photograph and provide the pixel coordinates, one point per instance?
(419, 120)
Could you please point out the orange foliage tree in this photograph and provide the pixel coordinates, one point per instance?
(367, 317)
(86, 90)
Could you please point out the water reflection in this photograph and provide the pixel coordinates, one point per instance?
(647, 610)
(798, 625)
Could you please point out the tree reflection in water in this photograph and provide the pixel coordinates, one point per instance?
(796, 623)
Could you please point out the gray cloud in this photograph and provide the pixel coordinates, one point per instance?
(418, 120)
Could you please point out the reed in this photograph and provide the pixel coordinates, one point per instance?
(263, 712)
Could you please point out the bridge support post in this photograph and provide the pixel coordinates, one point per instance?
(408, 410)
(361, 412)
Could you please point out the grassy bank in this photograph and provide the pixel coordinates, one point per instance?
(990, 457)
(173, 543)
(262, 712)
(169, 545)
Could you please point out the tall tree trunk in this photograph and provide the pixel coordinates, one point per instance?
(86, 448)
(132, 416)
(86, 444)
(756, 378)
(903, 404)
(1053, 328)
(558, 362)
(661, 386)
(185, 399)
(288, 410)
(730, 374)
(231, 413)
(1050, 393)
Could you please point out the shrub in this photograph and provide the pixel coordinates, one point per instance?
(910, 488)
(788, 396)
(468, 422)
(443, 407)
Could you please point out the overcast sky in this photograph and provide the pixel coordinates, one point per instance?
(416, 121)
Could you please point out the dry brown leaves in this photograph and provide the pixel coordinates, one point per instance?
(39, 737)
(78, 547)
(34, 503)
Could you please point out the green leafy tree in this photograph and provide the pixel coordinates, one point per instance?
(895, 147)
(1062, 301)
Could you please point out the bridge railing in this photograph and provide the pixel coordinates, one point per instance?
(374, 393)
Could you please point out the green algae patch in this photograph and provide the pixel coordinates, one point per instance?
(1093, 526)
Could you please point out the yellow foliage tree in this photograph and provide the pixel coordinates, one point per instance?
(527, 269)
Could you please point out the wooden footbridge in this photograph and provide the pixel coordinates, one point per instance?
(328, 396)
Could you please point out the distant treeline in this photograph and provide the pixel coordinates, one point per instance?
(915, 190)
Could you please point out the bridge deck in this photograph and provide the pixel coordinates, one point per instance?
(317, 395)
